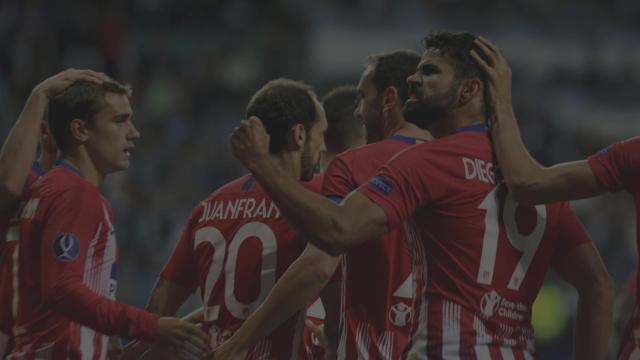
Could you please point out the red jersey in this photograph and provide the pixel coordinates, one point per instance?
(312, 348)
(8, 242)
(618, 168)
(377, 282)
(486, 255)
(64, 276)
(234, 248)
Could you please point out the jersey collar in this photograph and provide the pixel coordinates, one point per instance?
(406, 139)
(481, 128)
(37, 168)
(68, 166)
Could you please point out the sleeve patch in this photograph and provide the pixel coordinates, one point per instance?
(381, 184)
(66, 247)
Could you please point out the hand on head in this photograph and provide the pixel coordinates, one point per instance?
(250, 142)
(497, 71)
(60, 81)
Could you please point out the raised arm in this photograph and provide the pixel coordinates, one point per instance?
(300, 284)
(19, 149)
(528, 181)
(331, 227)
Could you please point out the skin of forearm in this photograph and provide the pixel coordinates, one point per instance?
(516, 164)
(20, 147)
(315, 217)
(304, 279)
(593, 323)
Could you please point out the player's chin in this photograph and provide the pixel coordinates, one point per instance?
(121, 165)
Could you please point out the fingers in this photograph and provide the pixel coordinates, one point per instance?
(489, 45)
(87, 75)
(487, 52)
(197, 337)
(483, 64)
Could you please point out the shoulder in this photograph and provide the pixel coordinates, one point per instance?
(314, 184)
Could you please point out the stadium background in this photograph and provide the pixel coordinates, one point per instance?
(194, 64)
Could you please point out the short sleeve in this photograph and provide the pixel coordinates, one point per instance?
(181, 268)
(407, 182)
(571, 232)
(338, 181)
(617, 167)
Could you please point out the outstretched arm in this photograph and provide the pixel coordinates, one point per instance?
(528, 181)
(331, 227)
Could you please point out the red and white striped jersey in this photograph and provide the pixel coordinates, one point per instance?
(617, 168)
(234, 248)
(487, 256)
(378, 278)
(8, 241)
(64, 274)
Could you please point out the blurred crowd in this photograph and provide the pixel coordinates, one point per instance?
(194, 64)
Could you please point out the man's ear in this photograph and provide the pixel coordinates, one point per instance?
(390, 98)
(79, 131)
(469, 89)
(297, 136)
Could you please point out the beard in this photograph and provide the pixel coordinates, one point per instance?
(308, 165)
(423, 112)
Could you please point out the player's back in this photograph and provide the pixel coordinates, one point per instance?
(41, 330)
(486, 255)
(378, 280)
(239, 245)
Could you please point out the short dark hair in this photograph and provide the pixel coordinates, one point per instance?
(81, 100)
(456, 47)
(281, 104)
(392, 69)
(343, 128)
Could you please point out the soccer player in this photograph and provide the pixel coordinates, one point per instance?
(486, 256)
(377, 286)
(65, 258)
(18, 172)
(613, 169)
(344, 131)
(236, 244)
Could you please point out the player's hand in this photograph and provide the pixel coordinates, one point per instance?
(114, 349)
(183, 338)
(318, 332)
(497, 71)
(230, 350)
(250, 142)
(60, 81)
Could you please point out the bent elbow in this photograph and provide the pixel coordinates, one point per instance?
(522, 191)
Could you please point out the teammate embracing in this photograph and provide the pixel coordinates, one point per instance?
(486, 255)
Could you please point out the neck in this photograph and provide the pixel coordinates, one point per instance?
(81, 160)
(327, 158)
(456, 119)
(413, 131)
(393, 122)
(289, 162)
(46, 160)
